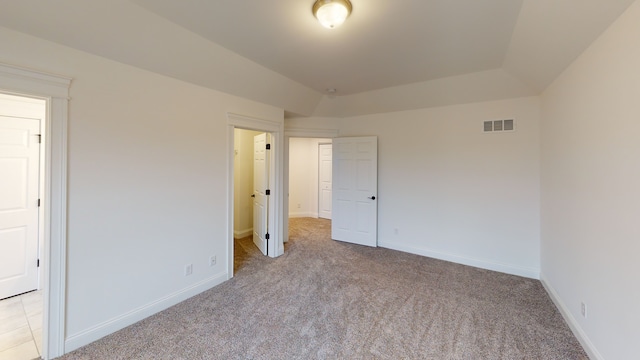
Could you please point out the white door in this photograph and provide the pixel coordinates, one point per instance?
(355, 189)
(324, 181)
(19, 169)
(260, 187)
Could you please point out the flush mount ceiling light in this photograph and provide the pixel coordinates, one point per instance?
(332, 13)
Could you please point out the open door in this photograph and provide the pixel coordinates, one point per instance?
(261, 191)
(355, 190)
(19, 202)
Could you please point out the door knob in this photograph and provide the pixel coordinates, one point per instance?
(372, 197)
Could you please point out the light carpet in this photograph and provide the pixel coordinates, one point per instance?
(325, 299)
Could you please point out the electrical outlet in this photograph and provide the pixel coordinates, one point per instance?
(583, 310)
(188, 270)
(212, 260)
(298, 206)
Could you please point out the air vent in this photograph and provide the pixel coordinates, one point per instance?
(499, 125)
(508, 125)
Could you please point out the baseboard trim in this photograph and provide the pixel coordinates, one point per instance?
(571, 320)
(303, 214)
(242, 234)
(458, 259)
(101, 330)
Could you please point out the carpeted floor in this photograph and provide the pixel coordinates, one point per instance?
(325, 299)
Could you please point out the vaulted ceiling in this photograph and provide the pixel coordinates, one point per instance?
(389, 55)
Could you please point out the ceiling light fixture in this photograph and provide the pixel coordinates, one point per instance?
(332, 13)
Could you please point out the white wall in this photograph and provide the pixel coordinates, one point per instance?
(453, 90)
(303, 176)
(452, 191)
(146, 185)
(590, 191)
(243, 182)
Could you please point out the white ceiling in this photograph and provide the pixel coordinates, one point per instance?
(276, 52)
(383, 43)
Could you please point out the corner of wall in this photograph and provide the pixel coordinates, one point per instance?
(571, 321)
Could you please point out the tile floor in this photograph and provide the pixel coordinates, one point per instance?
(21, 327)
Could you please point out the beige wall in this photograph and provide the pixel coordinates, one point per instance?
(590, 190)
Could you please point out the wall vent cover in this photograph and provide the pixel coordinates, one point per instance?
(499, 125)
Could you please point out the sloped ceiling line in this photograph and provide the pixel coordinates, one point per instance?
(388, 56)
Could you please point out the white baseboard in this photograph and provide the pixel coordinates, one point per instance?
(571, 320)
(479, 263)
(242, 234)
(303, 214)
(96, 332)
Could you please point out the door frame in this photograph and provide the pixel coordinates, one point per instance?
(54, 89)
(275, 221)
(299, 133)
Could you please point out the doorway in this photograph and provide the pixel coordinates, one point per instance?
(309, 177)
(251, 175)
(22, 189)
(290, 207)
(54, 89)
(274, 246)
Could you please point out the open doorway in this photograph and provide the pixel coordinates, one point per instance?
(272, 208)
(354, 185)
(22, 214)
(310, 177)
(251, 180)
(54, 90)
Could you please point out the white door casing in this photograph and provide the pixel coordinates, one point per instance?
(275, 128)
(355, 190)
(19, 183)
(260, 187)
(54, 89)
(324, 180)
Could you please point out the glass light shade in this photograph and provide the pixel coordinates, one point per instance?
(332, 14)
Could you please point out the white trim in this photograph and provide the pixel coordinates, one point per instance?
(311, 133)
(276, 222)
(230, 198)
(459, 259)
(571, 320)
(303, 215)
(54, 89)
(31, 82)
(110, 326)
(42, 194)
(251, 123)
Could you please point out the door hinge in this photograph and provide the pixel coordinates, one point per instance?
(39, 138)
(266, 236)
(38, 202)
(38, 263)
(268, 146)
(267, 192)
